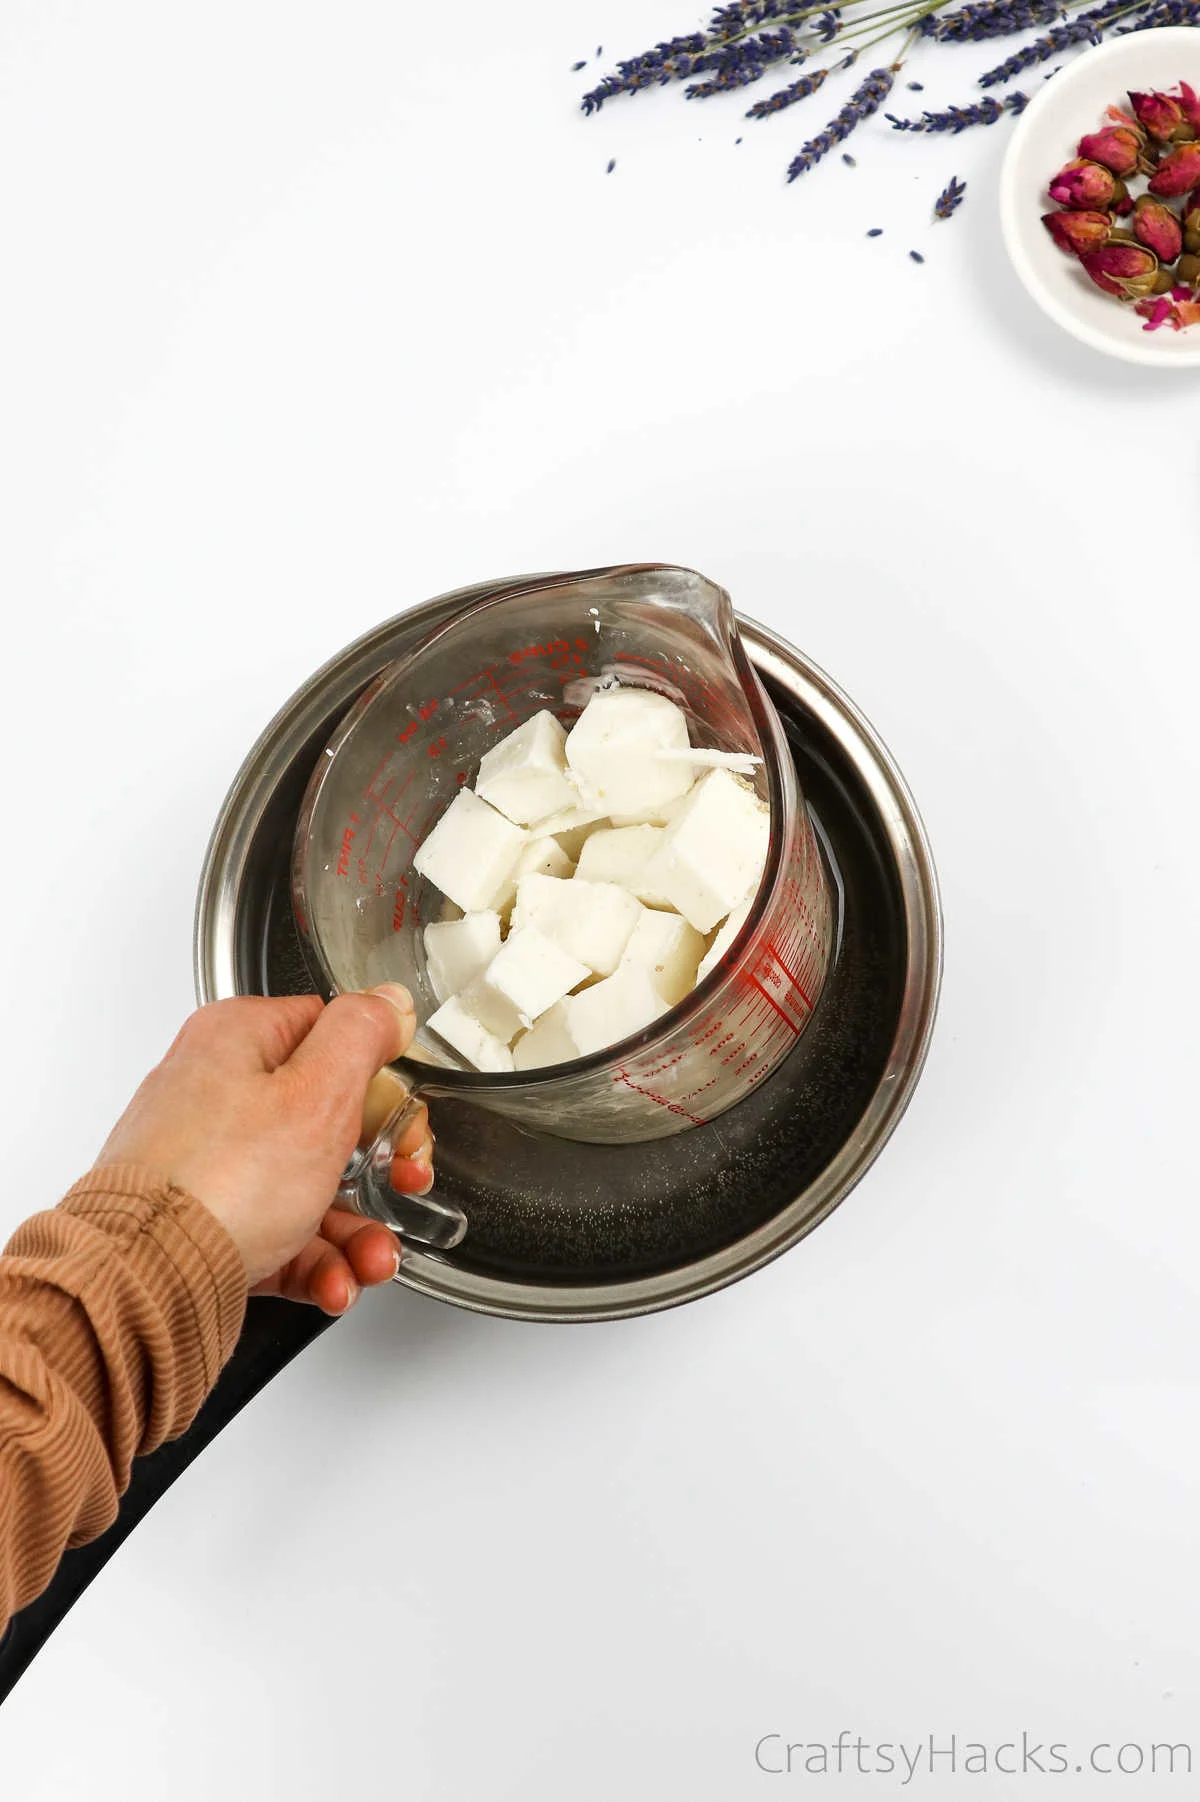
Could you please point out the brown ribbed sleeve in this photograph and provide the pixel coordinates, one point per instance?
(117, 1310)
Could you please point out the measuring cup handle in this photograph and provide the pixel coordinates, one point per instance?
(366, 1186)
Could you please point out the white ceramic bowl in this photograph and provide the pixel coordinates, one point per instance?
(1045, 138)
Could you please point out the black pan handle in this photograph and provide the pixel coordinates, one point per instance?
(273, 1333)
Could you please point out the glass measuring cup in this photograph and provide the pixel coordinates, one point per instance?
(416, 736)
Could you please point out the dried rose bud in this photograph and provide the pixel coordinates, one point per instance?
(1156, 226)
(1077, 233)
(1191, 212)
(1118, 147)
(1189, 105)
(1178, 172)
(1187, 269)
(1083, 184)
(1127, 270)
(1158, 113)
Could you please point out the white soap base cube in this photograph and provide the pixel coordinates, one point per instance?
(623, 854)
(541, 857)
(525, 776)
(471, 852)
(612, 1010)
(669, 950)
(612, 751)
(713, 852)
(496, 1012)
(467, 1035)
(537, 895)
(457, 951)
(549, 1042)
(534, 972)
(591, 920)
(723, 942)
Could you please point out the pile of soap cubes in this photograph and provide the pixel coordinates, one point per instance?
(596, 875)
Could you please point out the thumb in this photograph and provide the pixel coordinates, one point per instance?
(355, 1036)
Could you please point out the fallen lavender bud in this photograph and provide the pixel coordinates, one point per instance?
(916, 256)
(950, 198)
(876, 231)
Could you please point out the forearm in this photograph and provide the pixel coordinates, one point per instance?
(117, 1311)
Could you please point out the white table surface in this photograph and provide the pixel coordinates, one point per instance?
(309, 312)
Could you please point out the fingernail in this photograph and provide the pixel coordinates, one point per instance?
(397, 994)
(352, 1294)
(396, 1262)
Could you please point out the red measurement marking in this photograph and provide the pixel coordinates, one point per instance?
(771, 1002)
(672, 1107)
(792, 978)
(491, 676)
(343, 862)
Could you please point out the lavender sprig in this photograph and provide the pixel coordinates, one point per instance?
(958, 118)
(797, 90)
(672, 60)
(743, 63)
(1167, 12)
(866, 99)
(950, 198)
(1086, 27)
(982, 19)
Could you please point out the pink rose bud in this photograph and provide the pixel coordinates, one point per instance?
(1158, 113)
(1083, 184)
(1189, 105)
(1118, 147)
(1178, 172)
(1157, 227)
(1126, 270)
(1077, 233)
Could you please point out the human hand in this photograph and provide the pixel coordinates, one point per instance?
(256, 1109)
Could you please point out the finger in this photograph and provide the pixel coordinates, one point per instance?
(320, 1273)
(415, 1133)
(414, 1175)
(259, 1032)
(372, 1252)
(353, 1038)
